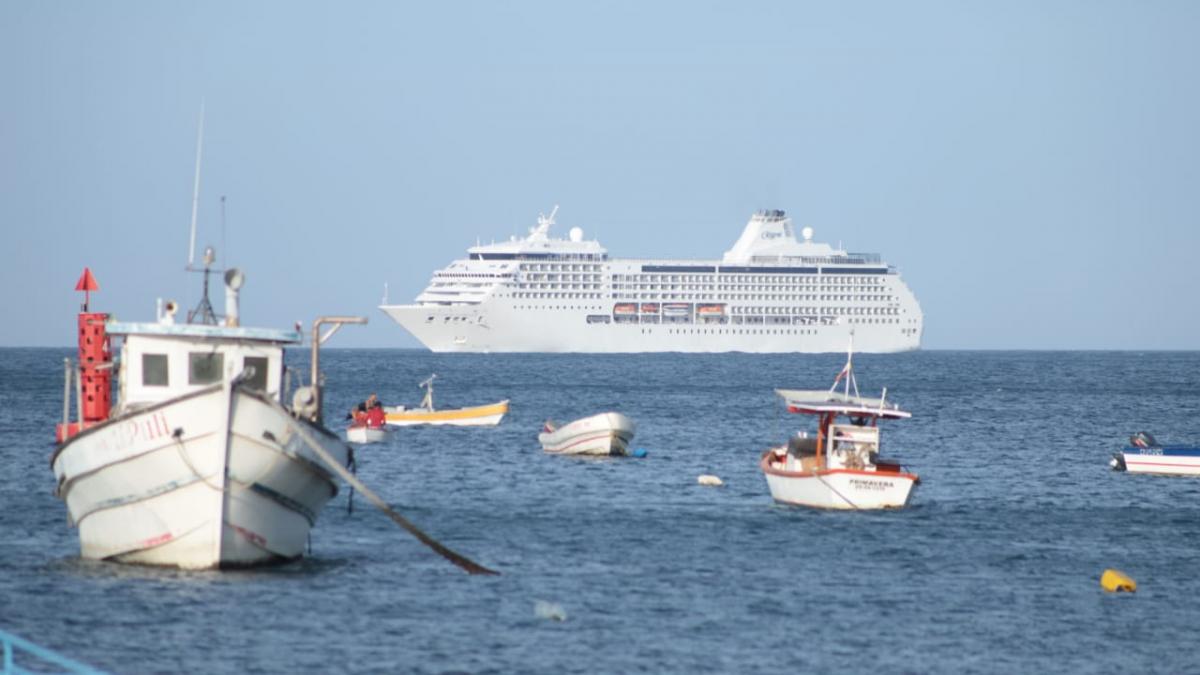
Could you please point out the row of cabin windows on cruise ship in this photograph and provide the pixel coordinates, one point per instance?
(740, 331)
(816, 310)
(472, 275)
(203, 368)
(561, 277)
(711, 297)
(774, 288)
(560, 267)
(756, 279)
(560, 286)
(747, 293)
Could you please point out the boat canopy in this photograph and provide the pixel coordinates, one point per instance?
(194, 330)
(817, 401)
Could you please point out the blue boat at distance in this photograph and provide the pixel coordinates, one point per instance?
(1144, 454)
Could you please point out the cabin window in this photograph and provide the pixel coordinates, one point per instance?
(154, 370)
(205, 367)
(259, 379)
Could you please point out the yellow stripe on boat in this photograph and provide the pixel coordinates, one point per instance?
(446, 415)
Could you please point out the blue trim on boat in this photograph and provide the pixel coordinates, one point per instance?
(1165, 451)
(13, 646)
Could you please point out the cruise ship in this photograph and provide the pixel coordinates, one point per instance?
(770, 293)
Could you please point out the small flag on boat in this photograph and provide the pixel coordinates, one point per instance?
(845, 370)
(87, 282)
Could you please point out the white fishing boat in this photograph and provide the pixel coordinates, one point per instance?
(1144, 454)
(475, 416)
(604, 434)
(197, 463)
(838, 466)
(365, 434)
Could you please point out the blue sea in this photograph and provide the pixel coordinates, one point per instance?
(628, 565)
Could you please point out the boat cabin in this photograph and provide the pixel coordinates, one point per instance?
(161, 361)
(846, 435)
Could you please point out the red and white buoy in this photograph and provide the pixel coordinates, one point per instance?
(94, 390)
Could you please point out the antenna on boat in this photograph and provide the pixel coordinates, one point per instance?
(847, 371)
(427, 385)
(196, 189)
(223, 246)
(204, 311)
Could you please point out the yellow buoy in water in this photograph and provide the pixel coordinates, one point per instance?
(1115, 581)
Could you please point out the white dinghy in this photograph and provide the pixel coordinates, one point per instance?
(604, 434)
(365, 434)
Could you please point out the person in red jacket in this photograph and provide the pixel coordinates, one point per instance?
(358, 415)
(376, 417)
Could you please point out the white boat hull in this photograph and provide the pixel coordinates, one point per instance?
(604, 434)
(212, 479)
(851, 489)
(1163, 461)
(367, 434)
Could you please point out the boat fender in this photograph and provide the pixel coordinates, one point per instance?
(638, 452)
(1115, 581)
(304, 403)
(708, 479)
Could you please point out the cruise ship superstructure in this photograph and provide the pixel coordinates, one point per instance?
(769, 293)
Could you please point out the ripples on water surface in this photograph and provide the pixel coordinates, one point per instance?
(995, 567)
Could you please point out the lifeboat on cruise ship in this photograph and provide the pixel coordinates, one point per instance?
(649, 308)
(711, 310)
(677, 309)
(625, 308)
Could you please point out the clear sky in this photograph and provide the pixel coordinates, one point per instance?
(1032, 168)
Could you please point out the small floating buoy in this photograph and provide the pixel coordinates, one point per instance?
(1115, 581)
(549, 610)
(708, 479)
(637, 452)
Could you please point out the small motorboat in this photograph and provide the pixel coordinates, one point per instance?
(479, 416)
(604, 434)
(367, 434)
(1146, 455)
(838, 467)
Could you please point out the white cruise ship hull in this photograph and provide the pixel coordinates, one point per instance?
(498, 328)
(216, 478)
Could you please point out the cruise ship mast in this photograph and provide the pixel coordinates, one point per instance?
(541, 231)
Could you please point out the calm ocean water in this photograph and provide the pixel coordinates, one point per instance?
(994, 568)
